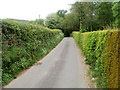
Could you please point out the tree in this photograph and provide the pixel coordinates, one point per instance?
(78, 10)
(38, 22)
(104, 14)
(70, 23)
(86, 17)
(85, 13)
(116, 14)
(54, 21)
(61, 13)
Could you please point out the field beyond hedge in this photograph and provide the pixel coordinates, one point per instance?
(101, 51)
(24, 44)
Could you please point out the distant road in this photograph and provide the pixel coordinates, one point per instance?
(61, 68)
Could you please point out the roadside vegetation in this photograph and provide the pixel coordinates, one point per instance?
(98, 26)
(23, 44)
(101, 51)
(84, 17)
(95, 27)
(98, 37)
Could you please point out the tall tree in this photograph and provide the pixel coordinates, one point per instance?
(116, 14)
(54, 21)
(70, 23)
(104, 13)
(86, 14)
(78, 10)
(61, 13)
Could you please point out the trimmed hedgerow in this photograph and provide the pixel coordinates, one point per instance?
(111, 59)
(101, 51)
(23, 44)
(76, 35)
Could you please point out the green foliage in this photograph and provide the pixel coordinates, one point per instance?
(54, 21)
(70, 24)
(76, 36)
(111, 59)
(116, 14)
(86, 17)
(61, 13)
(104, 13)
(23, 44)
(101, 51)
(38, 22)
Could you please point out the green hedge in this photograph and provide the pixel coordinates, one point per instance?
(76, 34)
(23, 44)
(101, 51)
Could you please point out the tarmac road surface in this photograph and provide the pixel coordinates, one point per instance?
(61, 68)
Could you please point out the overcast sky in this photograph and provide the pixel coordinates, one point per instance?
(30, 9)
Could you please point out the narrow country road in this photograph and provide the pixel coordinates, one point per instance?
(61, 68)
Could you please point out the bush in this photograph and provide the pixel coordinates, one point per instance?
(101, 51)
(23, 44)
(76, 36)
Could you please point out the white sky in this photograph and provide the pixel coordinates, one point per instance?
(30, 9)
